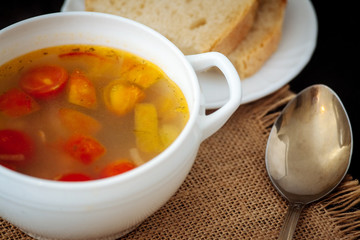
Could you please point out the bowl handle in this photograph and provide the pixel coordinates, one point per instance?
(211, 123)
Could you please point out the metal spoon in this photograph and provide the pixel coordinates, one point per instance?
(308, 151)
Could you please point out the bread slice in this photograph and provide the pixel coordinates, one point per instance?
(194, 26)
(262, 40)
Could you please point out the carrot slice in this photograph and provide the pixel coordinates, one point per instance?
(78, 122)
(84, 148)
(16, 103)
(117, 167)
(81, 90)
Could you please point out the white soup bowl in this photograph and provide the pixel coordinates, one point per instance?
(111, 207)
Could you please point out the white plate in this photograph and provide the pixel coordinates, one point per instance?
(294, 51)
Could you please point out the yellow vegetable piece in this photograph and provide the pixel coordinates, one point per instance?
(166, 106)
(141, 74)
(147, 129)
(78, 122)
(120, 97)
(171, 105)
(81, 90)
(168, 133)
(146, 76)
(110, 69)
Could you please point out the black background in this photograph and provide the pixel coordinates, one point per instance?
(335, 61)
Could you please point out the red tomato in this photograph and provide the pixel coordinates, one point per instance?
(15, 146)
(117, 167)
(16, 103)
(9, 166)
(44, 81)
(84, 148)
(74, 177)
(81, 54)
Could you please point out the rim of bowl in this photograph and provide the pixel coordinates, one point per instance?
(138, 171)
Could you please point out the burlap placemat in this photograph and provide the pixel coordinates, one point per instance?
(228, 194)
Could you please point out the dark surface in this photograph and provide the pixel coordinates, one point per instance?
(334, 63)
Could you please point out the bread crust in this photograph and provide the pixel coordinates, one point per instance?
(195, 26)
(248, 34)
(261, 41)
(234, 35)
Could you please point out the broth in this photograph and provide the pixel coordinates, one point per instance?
(81, 112)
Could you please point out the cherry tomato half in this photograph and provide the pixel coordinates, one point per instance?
(9, 166)
(44, 81)
(16, 103)
(81, 54)
(74, 177)
(15, 146)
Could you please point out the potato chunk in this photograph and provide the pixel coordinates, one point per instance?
(147, 129)
(142, 74)
(168, 133)
(121, 97)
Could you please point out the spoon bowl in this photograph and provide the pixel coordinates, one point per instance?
(309, 150)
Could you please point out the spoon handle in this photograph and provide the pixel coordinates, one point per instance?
(291, 219)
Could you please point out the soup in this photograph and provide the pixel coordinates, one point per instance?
(80, 112)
